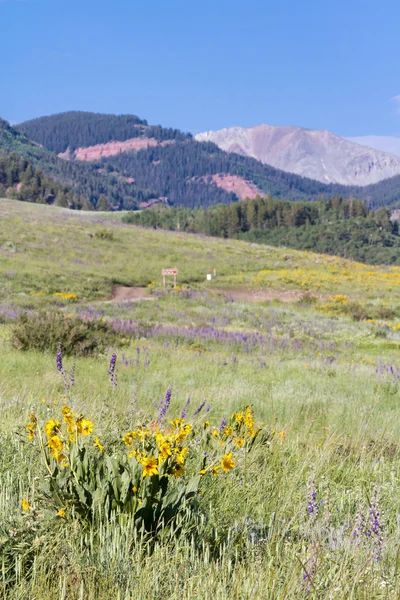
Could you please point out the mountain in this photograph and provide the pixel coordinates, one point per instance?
(166, 161)
(319, 155)
(132, 164)
(386, 143)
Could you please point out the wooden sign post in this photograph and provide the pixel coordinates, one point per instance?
(173, 272)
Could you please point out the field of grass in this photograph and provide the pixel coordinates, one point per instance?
(312, 512)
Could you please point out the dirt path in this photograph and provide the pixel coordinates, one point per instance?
(125, 294)
(129, 294)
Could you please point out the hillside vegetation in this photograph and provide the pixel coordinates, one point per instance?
(75, 129)
(240, 432)
(19, 180)
(341, 227)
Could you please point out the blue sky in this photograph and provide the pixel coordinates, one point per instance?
(206, 64)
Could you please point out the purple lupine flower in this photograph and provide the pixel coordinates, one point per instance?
(59, 363)
(199, 409)
(312, 505)
(164, 405)
(208, 408)
(375, 529)
(113, 361)
(112, 373)
(184, 409)
(223, 424)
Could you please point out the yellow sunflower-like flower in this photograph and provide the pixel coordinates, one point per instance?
(51, 428)
(165, 451)
(239, 442)
(180, 458)
(227, 462)
(98, 444)
(149, 466)
(25, 504)
(84, 426)
(61, 513)
(56, 447)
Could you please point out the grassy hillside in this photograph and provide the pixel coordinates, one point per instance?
(346, 228)
(310, 341)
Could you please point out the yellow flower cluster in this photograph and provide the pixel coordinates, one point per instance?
(154, 448)
(335, 304)
(70, 296)
(58, 440)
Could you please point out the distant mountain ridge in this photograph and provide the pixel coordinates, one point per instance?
(319, 155)
(130, 165)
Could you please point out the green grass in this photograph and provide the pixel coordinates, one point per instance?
(315, 380)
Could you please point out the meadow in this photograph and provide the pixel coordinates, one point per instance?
(297, 498)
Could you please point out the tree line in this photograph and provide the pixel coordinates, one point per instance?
(334, 226)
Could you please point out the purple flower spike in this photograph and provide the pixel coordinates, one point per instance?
(223, 424)
(59, 363)
(164, 405)
(199, 408)
(184, 409)
(111, 370)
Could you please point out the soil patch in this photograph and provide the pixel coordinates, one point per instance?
(122, 294)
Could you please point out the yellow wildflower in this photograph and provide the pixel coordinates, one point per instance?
(239, 442)
(84, 426)
(52, 427)
(215, 470)
(227, 462)
(25, 504)
(98, 444)
(180, 458)
(228, 431)
(149, 466)
(165, 451)
(61, 513)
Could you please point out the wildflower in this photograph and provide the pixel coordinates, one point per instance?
(180, 458)
(134, 489)
(98, 444)
(149, 466)
(203, 471)
(61, 513)
(165, 451)
(215, 470)
(312, 505)
(184, 409)
(56, 446)
(215, 433)
(165, 405)
(199, 409)
(228, 431)
(239, 442)
(52, 427)
(25, 505)
(84, 426)
(227, 462)
(222, 425)
(238, 417)
(59, 363)
(111, 370)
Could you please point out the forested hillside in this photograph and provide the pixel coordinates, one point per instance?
(77, 129)
(19, 180)
(85, 178)
(342, 227)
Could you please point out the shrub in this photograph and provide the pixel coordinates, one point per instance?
(104, 234)
(153, 473)
(48, 331)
